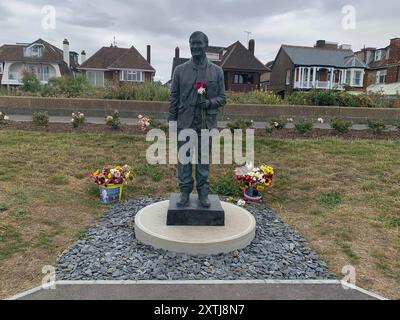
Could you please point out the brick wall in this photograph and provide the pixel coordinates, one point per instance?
(394, 61)
(278, 73)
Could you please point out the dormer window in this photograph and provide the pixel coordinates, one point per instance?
(34, 51)
(379, 54)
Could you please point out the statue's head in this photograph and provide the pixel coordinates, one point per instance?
(198, 44)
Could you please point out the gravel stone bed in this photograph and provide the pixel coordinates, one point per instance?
(110, 251)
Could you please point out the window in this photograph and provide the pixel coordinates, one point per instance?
(357, 77)
(243, 78)
(379, 54)
(131, 76)
(1, 67)
(381, 76)
(35, 51)
(95, 77)
(347, 77)
(288, 77)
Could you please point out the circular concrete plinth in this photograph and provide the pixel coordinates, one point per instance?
(151, 229)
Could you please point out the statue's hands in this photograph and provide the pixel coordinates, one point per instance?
(205, 104)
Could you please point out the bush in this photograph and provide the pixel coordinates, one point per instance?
(70, 87)
(157, 124)
(148, 91)
(113, 120)
(304, 126)
(278, 124)
(78, 118)
(341, 125)
(377, 126)
(253, 97)
(30, 83)
(3, 118)
(239, 124)
(397, 125)
(40, 118)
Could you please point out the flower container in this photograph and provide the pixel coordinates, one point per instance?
(252, 194)
(111, 193)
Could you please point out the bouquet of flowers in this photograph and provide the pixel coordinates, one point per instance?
(111, 175)
(255, 179)
(201, 88)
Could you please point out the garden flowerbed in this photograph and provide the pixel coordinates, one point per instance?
(133, 129)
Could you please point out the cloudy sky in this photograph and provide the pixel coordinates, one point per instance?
(165, 24)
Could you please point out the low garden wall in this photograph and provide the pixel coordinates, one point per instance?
(129, 109)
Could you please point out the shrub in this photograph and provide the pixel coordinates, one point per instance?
(148, 91)
(3, 118)
(30, 82)
(304, 126)
(278, 124)
(299, 98)
(341, 125)
(377, 126)
(157, 124)
(40, 118)
(239, 124)
(78, 118)
(253, 97)
(397, 125)
(113, 120)
(69, 86)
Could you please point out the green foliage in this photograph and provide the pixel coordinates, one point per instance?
(304, 126)
(253, 97)
(349, 252)
(69, 87)
(333, 98)
(389, 220)
(30, 83)
(397, 125)
(225, 186)
(239, 124)
(147, 91)
(157, 124)
(341, 125)
(330, 199)
(278, 124)
(40, 118)
(113, 120)
(377, 126)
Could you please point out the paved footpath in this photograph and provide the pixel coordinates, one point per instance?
(133, 121)
(200, 290)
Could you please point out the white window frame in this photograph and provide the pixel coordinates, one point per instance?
(379, 74)
(28, 50)
(288, 75)
(96, 80)
(353, 78)
(131, 75)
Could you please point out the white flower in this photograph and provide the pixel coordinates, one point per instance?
(72, 120)
(201, 91)
(320, 120)
(6, 118)
(1, 113)
(276, 124)
(289, 119)
(241, 203)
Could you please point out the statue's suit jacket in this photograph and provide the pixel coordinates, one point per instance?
(184, 95)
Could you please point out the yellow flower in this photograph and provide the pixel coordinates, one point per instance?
(109, 176)
(96, 172)
(118, 168)
(260, 188)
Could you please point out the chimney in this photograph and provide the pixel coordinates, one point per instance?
(149, 54)
(394, 51)
(252, 45)
(83, 56)
(66, 51)
(177, 52)
(320, 44)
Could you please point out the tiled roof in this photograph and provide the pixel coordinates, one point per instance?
(117, 58)
(51, 54)
(309, 56)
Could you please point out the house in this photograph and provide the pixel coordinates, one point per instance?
(383, 64)
(242, 70)
(325, 66)
(266, 76)
(39, 57)
(114, 66)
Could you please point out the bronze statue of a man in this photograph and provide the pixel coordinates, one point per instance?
(196, 109)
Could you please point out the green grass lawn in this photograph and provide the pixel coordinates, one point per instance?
(342, 196)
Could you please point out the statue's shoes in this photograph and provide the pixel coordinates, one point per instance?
(204, 201)
(183, 199)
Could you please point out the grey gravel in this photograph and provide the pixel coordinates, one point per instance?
(110, 251)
